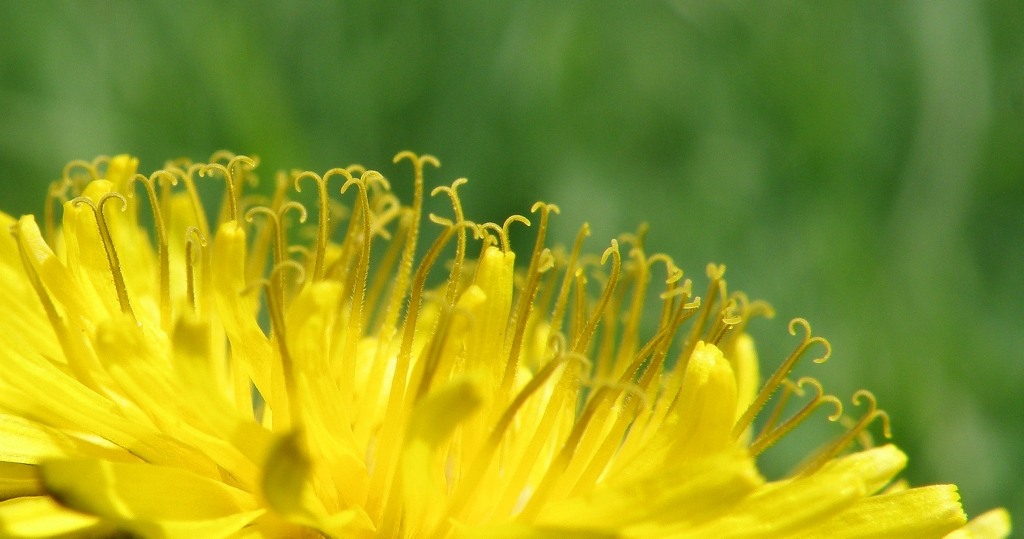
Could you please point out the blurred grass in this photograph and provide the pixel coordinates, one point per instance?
(856, 163)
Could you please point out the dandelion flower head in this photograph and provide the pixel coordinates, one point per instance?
(275, 372)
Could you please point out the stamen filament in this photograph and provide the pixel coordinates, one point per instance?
(484, 458)
(199, 212)
(836, 447)
(194, 241)
(380, 502)
(324, 216)
(90, 168)
(583, 338)
(280, 239)
(236, 163)
(512, 489)
(601, 444)
(358, 288)
(631, 331)
(161, 240)
(460, 245)
(108, 245)
(283, 419)
(558, 315)
(529, 293)
(388, 327)
(385, 269)
(788, 389)
(715, 272)
(768, 437)
(572, 450)
(57, 192)
(783, 370)
(264, 236)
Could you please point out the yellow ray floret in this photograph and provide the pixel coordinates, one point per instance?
(224, 377)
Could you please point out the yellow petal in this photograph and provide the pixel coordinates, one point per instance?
(341, 478)
(706, 405)
(194, 367)
(51, 397)
(58, 279)
(994, 524)
(21, 315)
(41, 517)
(151, 500)
(28, 442)
(490, 318)
(916, 513)
(745, 365)
(18, 479)
(137, 361)
(204, 386)
(250, 349)
(286, 485)
(523, 531)
(780, 509)
(432, 422)
(285, 482)
(688, 491)
(876, 466)
(120, 170)
(69, 309)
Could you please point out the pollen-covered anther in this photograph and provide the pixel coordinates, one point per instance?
(385, 208)
(386, 205)
(442, 221)
(417, 161)
(276, 272)
(686, 290)
(486, 238)
(546, 261)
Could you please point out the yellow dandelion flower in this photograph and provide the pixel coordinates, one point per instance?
(228, 379)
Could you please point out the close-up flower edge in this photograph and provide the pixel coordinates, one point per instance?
(175, 369)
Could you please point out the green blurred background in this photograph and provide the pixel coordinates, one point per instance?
(856, 163)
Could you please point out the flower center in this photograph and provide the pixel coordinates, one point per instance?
(563, 388)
